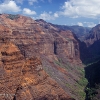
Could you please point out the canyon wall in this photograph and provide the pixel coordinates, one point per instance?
(22, 78)
(57, 49)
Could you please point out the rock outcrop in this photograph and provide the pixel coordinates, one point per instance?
(24, 79)
(42, 38)
(58, 49)
(64, 42)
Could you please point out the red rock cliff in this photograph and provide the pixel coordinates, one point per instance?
(25, 79)
(57, 49)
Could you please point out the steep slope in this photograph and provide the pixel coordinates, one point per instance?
(25, 79)
(65, 42)
(93, 76)
(25, 31)
(58, 50)
(81, 32)
(94, 35)
(93, 43)
(93, 68)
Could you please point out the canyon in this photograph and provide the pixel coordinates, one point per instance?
(43, 61)
(93, 67)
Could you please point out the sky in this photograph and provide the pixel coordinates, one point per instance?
(63, 12)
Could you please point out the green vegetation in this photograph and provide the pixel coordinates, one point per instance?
(59, 62)
(82, 84)
(78, 87)
(77, 90)
(68, 39)
(83, 81)
(90, 93)
(93, 88)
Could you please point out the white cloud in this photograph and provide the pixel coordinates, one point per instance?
(81, 8)
(48, 16)
(32, 1)
(9, 6)
(17, 1)
(89, 24)
(56, 15)
(80, 24)
(27, 11)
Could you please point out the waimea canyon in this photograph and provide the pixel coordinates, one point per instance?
(43, 61)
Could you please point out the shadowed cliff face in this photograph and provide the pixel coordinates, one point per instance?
(94, 35)
(92, 72)
(93, 68)
(24, 79)
(93, 44)
(57, 49)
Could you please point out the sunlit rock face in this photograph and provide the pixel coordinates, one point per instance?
(39, 37)
(57, 49)
(24, 79)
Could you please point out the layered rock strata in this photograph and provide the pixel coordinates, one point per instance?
(58, 49)
(24, 79)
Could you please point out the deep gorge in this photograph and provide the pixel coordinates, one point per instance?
(44, 61)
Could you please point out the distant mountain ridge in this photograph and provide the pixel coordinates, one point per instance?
(80, 31)
(94, 35)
